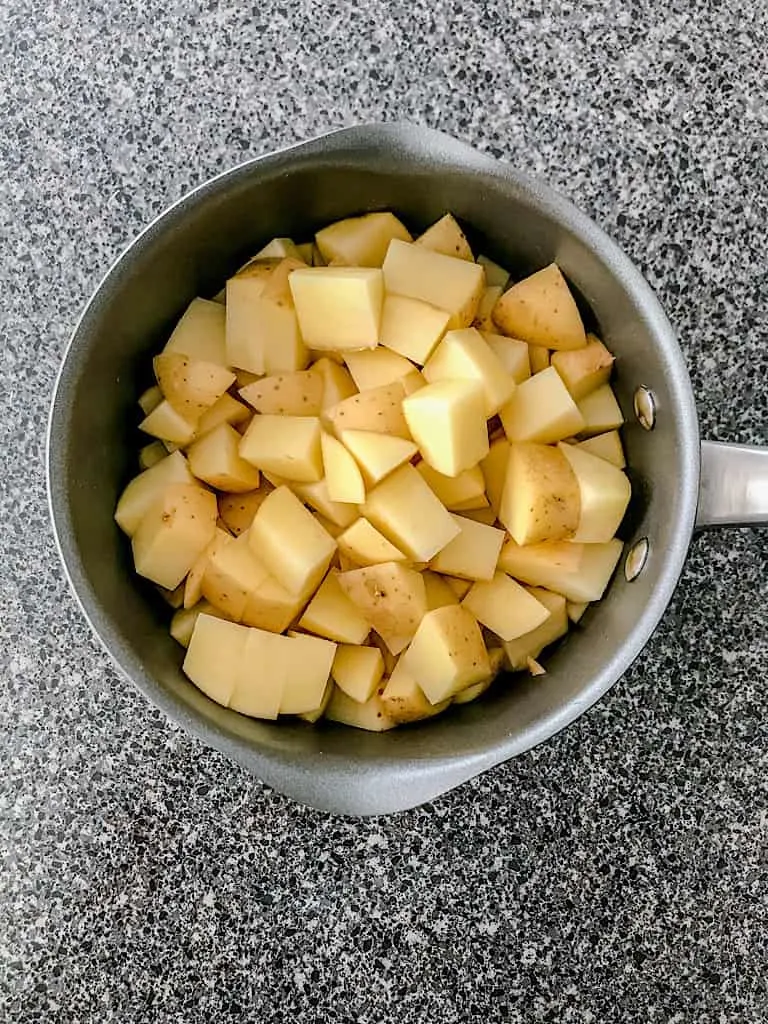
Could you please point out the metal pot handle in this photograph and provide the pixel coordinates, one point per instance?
(734, 485)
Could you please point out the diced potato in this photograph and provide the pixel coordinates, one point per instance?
(447, 421)
(447, 654)
(377, 367)
(409, 515)
(391, 597)
(466, 489)
(494, 274)
(183, 621)
(244, 377)
(541, 497)
(534, 667)
(305, 252)
(371, 716)
(539, 358)
(165, 423)
(151, 454)
(471, 504)
(512, 353)
(317, 496)
(472, 692)
(451, 284)
(280, 248)
(361, 241)
(412, 328)
(173, 598)
(287, 445)
(471, 555)
(541, 410)
(530, 645)
(271, 607)
(295, 668)
(576, 609)
(504, 607)
(600, 412)
(244, 341)
(404, 700)
(364, 545)
(237, 510)
(487, 516)
(605, 492)
(232, 573)
(225, 410)
(357, 671)
(258, 689)
(446, 236)
(200, 334)
(584, 369)
(377, 455)
(325, 700)
(465, 355)
(331, 614)
(288, 539)
(606, 446)
(287, 394)
(541, 310)
(378, 410)
(216, 460)
(193, 585)
(337, 382)
(439, 593)
(191, 387)
(215, 656)
(150, 399)
(494, 467)
(147, 489)
(342, 474)
(483, 317)
(460, 587)
(338, 307)
(173, 534)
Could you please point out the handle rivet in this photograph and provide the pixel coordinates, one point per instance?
(645, 408)
(636, 559)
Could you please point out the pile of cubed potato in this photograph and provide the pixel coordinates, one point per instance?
(381, 476)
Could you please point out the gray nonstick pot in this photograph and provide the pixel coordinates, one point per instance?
(678, 482)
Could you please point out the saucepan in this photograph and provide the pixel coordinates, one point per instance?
(679, 483)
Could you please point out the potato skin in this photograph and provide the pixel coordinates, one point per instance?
(541, 498)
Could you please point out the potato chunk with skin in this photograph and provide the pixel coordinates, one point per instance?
(286, 445)
(215, 656)
(604, 491)
(411, 328)
(377, 410)
(606, 446)
(446, 236)
(150, 399)
(377, 367)
(447, 654)
(190, 386)
(465, 355)
(337, 382)
(539, 358)
(513, 354)
(151, 454)
(542, 410)
(231, 573)
(447, 421)
(193, 585)
(287, 394)
(504, 607)
(541, 310)
(465, 490)
(530, 645)
(331, 614)
(600, 412)
(216, 460)
(237, 510)
(371, 716)
(541, 498)
(358, 671)
(391, 597)
(224, 410)
(409, 515)
(580, 572)
(483, 318)
(473, 554)
(439, 593)
(174, 533)
(377, 455)
(342, 474)
(584, 369)
(494, 468)
(339, 308)
(291, 543)
(184, 619)
(165, 423)
(200, 333)
(404, 699)
(361, 241)
(147, 488)
(451, 284)
(280, 248)
(364, 545)
(316, 495)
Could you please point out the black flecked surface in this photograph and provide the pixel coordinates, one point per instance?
(617, 874)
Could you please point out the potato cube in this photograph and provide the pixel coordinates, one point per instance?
(494, 274)
(280, 248)
(487, 516)
(360, 241)
(439, 593)
(541, 310)
(600, 412)
(215, 655)
(412, 328)
(150, 399)
(460, 587)
(184, 619)
(147, 489)
(409, 515)
(232, 573)
(151, 454)
(342, 475)
(606, 446)
(471, 555)
(530, 645)
(337, 382)
(200, 333)
(541, 410)
(512, 353)
(605, 492)
(271, 607)
(216, 460)
(244, 340)
(262, 326)
(539, 358)
(446, 236)
(190, 386)
(377, 367)
(371, 716)
(541, 497)
(504, 607)
(377, 455)
(258, 688)
(447, 654)
(193, 585)
(286, 445)
(291, 543)
(584, 369)
(338, 308)
(358, 671)
(447, 421)
(167, 424)
(316, 495)
(319, 711)
(364, 545)
(483, 317)
(494, 468)
(391, 597)
(403, 699)
(451, 284)
(465, 355)
(225, 410)
(173, 534)
(331, 614)
(378, 410)
(287, 394)
(576, 609)
(497, 659)
(237, 510)
(580, 572)
(467, 489)
(290, 672)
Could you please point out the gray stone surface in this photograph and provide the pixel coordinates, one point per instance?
(618, 873)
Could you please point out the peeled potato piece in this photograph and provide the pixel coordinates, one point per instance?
(376, 410)
(541, 409)
(454, 285)
(447, 420)
(530, 645)
(504, 607)
(447, 653)
(360, 241)
(216, 460)
(584, 369)
(338, 308)
(446, 236)
(465, 355)
(580, 572)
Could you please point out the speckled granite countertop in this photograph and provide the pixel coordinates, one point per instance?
(618, 873)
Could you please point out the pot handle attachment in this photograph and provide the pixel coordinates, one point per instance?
(734, 485)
